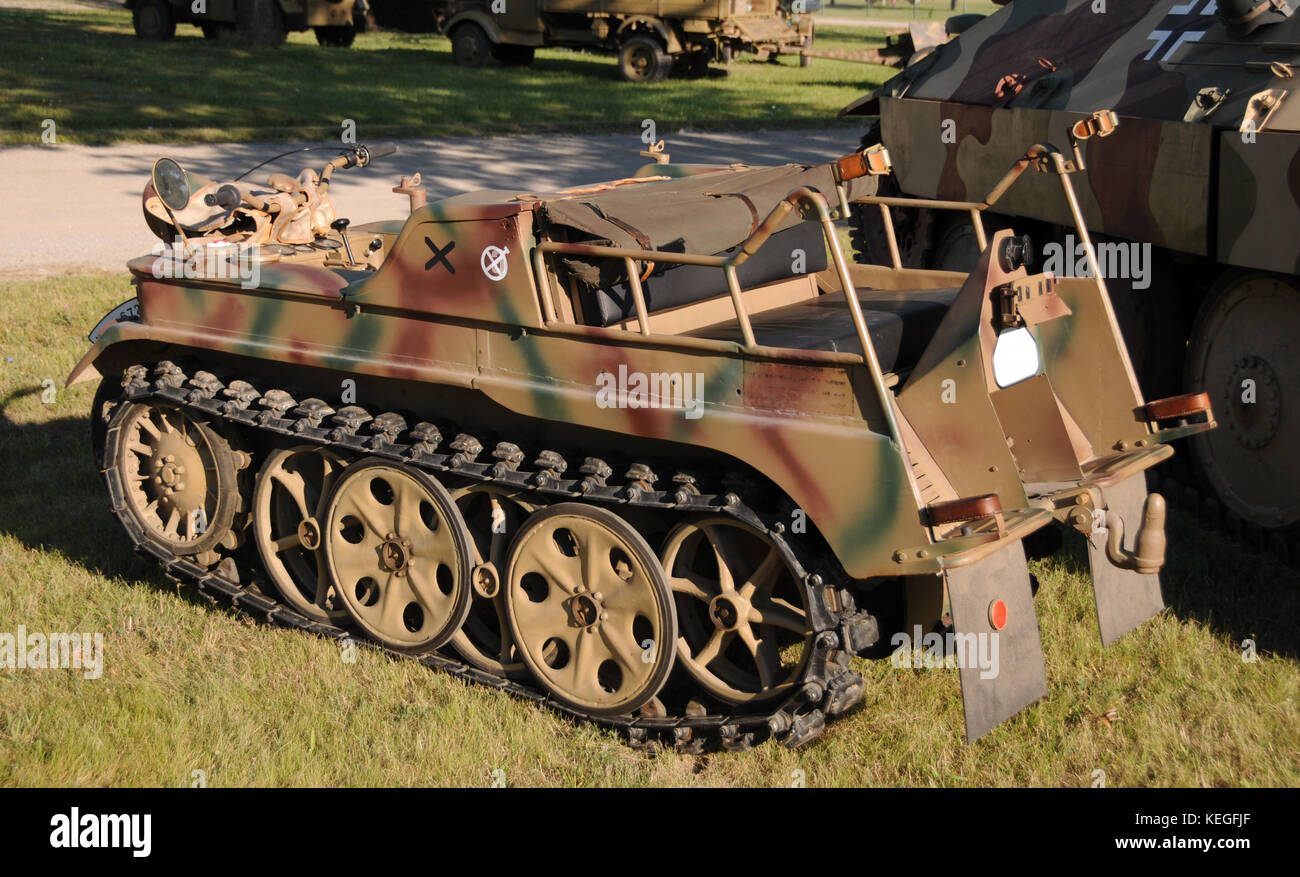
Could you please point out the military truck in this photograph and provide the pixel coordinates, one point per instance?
(650, 451)
(1195, 202)
(651, 37)
(253, 22)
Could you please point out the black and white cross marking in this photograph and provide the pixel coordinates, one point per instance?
(440, 255)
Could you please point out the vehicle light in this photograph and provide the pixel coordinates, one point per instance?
(997, 615)
(1015, 357)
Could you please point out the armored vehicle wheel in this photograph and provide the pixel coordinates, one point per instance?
(513, 56)
(339, 36)
(744, 632)
(590, 609)
(288, 506)
(153, 20)
(642, 59)
(216, 31)
(1242, 350)
(492, 515)
(175, 475)
(470, 46)
(398, 555)
(260, 23)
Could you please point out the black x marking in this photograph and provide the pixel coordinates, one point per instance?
(440, 255)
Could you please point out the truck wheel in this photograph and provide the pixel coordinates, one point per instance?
(513, 56)
(470, 46)
(154, 20)
(642, 59)
(338, 36)
(259, 23)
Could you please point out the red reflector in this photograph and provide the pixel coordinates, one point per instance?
(998, 614)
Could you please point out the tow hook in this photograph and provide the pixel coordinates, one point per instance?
(1150, 542)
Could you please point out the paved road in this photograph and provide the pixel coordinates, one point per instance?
(68, 208)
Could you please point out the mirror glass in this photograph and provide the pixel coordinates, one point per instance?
(1015, 357)
(171, 183)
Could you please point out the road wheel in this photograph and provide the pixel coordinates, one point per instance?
(590, 609)
(260, 23)
(643, 59)
(336, 36)
(154, 20)
(398, 555)
(288, 507)
(513, 56)
(1242, 352)
(470, 46)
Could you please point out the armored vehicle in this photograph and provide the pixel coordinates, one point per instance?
(650, 451)
(649, 37)
(255, 22)
(1195, 202)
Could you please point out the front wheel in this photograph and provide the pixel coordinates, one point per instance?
(642, 59)
(470, 46)
(154, 20)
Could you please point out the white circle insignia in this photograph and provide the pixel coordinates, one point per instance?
(493, 262)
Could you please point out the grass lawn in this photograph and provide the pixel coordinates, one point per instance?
(85, 69)
(189, 687)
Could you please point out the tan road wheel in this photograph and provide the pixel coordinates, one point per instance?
(176, 474)
(743, 620)
(589, 609)
(1243, 352)
(288, 506)
(493, 515)
(398, 555)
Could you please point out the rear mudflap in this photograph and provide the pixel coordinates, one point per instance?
(996, 690)
(1125, 598)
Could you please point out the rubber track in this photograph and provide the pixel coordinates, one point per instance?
(828, 687)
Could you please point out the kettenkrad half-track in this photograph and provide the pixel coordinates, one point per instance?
(649, 451)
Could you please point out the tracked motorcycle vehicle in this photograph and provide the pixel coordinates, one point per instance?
(649, 451)
(1194, 202)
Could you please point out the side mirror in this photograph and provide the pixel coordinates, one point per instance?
(172, 183)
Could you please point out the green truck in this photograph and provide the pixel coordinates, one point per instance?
(651, 37)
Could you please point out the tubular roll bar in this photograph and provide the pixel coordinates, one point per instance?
(1039, 154)
(809, 201)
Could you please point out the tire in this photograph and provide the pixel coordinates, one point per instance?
(154, 20)
(339, 36)
(513, 56)
(643, 59)
(470, 46)
(215, 31)
(260, 23)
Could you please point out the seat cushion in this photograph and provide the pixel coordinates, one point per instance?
(900, 323)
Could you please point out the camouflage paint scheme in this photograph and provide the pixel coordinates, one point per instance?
(1161, 177)
(414, 321)
(1204, 165)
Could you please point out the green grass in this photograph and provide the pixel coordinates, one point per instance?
(189, 687)
(86, 70)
